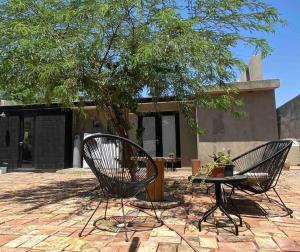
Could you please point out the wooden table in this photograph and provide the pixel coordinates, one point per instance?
(156, 188)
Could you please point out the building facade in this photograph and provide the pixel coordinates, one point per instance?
(42, 137)
(165, 129)
(35, 136)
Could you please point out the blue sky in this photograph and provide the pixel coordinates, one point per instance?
(284, 61)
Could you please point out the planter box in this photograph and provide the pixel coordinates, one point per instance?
(222, 171)
(196, 164)
(228, 170)
(218, 172)
(3, 167)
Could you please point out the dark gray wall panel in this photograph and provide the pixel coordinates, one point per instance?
(10, 154)
(49, 142)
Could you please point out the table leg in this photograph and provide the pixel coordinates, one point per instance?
(206, 214)
(220, 204)
(236, 211)
(224, 210)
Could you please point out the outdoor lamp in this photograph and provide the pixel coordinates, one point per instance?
(7, 135)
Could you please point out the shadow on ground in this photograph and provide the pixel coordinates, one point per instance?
(53, 192)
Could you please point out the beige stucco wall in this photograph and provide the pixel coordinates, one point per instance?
(188, 142)
(188, 139)
(239, 135)
(85, 120)
(223, 131)
(293, 157)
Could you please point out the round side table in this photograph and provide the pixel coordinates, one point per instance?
(219, 197)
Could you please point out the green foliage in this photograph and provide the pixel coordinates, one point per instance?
(112, 51)
(222, 158)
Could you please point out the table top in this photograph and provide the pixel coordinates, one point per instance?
(174, 159)
(226, 180)
(168, 159)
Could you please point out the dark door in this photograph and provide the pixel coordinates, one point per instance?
(160, 133)
(26, 144)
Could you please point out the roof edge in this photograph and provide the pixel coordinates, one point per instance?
(248, 86)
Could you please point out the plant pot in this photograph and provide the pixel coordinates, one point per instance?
(228, 170)
(3, 167)
(218, 172)
(196, 164)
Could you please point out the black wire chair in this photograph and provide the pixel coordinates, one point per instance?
(123, 169)
(262, 165)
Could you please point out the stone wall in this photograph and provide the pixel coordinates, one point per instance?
(289, 119)
(288, 116)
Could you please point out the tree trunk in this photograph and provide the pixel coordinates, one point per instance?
(120, 119)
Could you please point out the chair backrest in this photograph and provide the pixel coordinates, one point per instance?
(263, 164)
(118, 162)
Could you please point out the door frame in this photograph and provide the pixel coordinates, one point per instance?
(158, 129)
(21, 137)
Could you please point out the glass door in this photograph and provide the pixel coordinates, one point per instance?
(26, 143)
(168, 135)
(149, 135)
(161, 137)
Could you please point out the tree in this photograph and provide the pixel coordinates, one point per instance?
(113, 51)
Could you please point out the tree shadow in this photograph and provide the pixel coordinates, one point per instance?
(52, 193)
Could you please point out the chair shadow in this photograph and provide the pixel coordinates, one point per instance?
(252, 206)
(246, 207)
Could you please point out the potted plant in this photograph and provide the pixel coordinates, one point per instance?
(224, 166)
(221, 166)
(3, 167)
(196, 164)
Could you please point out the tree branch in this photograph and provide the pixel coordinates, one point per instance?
(109, 46)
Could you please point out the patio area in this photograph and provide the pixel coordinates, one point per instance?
(46, 211)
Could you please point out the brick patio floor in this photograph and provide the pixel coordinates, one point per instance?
(45, 212)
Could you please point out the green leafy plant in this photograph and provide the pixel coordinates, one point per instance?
(222, 158)
(113, 52)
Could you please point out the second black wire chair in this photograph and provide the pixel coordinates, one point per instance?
(263, 166)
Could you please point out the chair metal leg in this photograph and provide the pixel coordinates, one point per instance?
(224, 195)
(124, 221)
(231, 192)
(268, 197)
(105, 208)
(208, 188)
(288, 210)
(80, 233)
(158, 219)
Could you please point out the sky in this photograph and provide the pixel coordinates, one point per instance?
(284, 61)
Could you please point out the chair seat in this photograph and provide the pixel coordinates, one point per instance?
(116, 187)
(254, 178)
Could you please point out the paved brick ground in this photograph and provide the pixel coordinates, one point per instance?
(45, 211)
